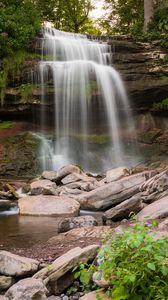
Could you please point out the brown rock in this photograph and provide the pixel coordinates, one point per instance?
(122, 210)
(38, 187)
(77, 222)
(50, 175)
(158, 209)
(15, 265)
(63, 264)
(113, 193)
(163, 225)
(116, 174)
(27, 289)
(49, 206)
(69, 169)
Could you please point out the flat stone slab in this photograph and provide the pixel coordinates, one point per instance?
(52, 273)
(17, 266)
(48, 206)
(158, 209)
(122, 210)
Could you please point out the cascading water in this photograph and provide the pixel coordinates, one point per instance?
(86, 91)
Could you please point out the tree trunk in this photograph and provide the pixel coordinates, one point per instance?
(148, 13)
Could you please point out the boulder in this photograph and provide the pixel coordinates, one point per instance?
(5, 282)
(155, 188)
(158, 209)
(82, 181)
(99, 294)
(49, 175)
(42, 186)
(108, 195)
(116, 174)
(52, 273)
(63, 172)
(17, 266)
(64, 190)
(48, 206)
(27, 289)
(71, 223)
(123, 210)
(3, 298)
(163, 225)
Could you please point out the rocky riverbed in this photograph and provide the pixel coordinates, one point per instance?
(43, 270)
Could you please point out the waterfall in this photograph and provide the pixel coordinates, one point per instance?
(87, 92)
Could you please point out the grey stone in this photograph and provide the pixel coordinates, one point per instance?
(39, 186)
(50, 175)
(15, 265)
(27, 289)
(48, 206)
(158, 209)
(123, 210)
(163, 225)
(116, 174)
(108, 195)
(62, 265)
(77, 222)
(69, 169)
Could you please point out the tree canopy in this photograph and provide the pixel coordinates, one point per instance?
(19, 21)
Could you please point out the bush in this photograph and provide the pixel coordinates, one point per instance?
(136, 265)
(161, 105)
(19, 21)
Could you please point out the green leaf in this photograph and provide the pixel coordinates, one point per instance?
(120, 293)
(164, 270)
(151, 266)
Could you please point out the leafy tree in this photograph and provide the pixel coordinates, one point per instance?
(123, 16)
(19, 21)
(69, 15)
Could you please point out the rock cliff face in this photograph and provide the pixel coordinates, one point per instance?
(143, 67)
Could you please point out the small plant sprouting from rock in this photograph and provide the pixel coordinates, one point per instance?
(135, 264)
(163, 105)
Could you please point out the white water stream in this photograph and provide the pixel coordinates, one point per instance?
(78, 69)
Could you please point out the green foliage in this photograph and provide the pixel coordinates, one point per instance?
(19, 21)
(26, 90)
(163, 105)
(123, 16)
(5, 124)
(136, 265)
(72, 290)
(84, 273)
(68, 15)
